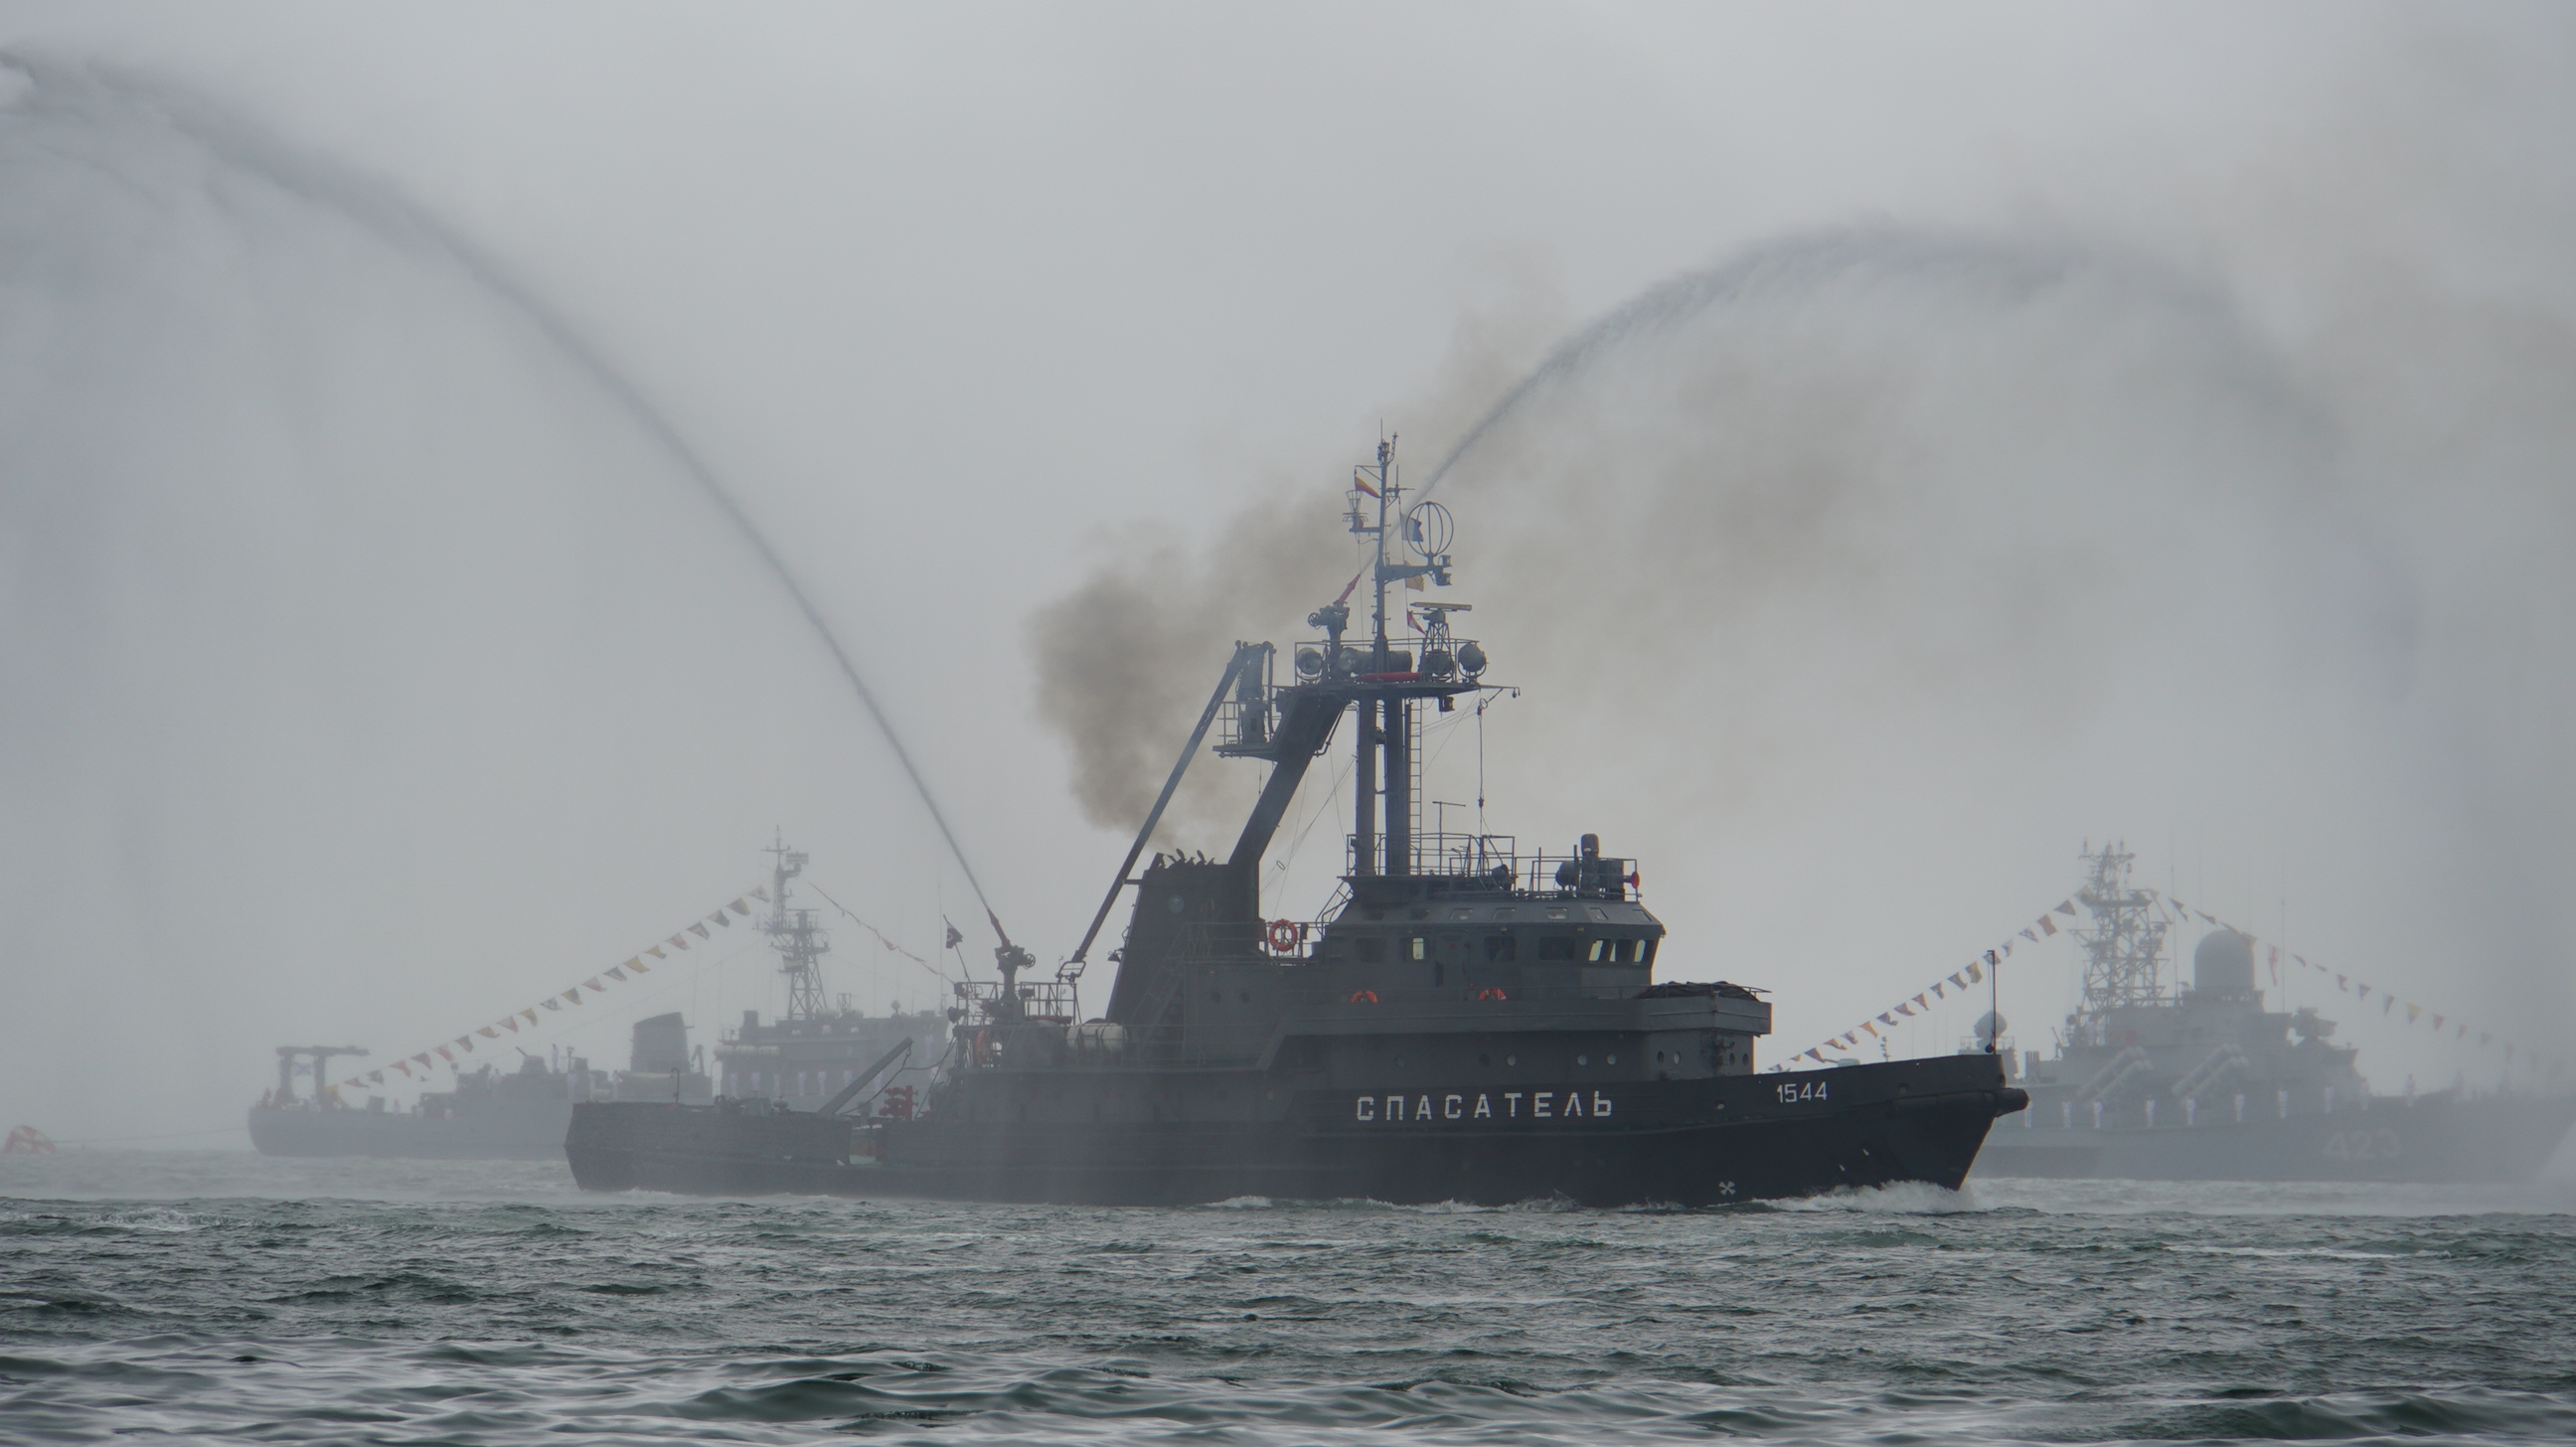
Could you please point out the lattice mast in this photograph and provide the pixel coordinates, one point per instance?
(1386, 777)
(2124, 950)
(796, 935)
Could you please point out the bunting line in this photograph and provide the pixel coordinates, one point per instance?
(2183, 914)
(620, 972)
(2344, 984)
(1973, 973)
(882, 938)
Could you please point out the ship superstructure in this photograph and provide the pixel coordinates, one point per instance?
(820, 1044)
(2157, 1078)
(1465, 1020)
(519, 1113)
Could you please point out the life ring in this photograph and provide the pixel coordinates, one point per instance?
(1284, 936)
(1363, 997)
(1495, 993)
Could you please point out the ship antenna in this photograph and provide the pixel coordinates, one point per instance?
(1995, 1007)
(800, 942)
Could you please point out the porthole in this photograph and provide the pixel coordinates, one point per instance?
(1582, 1059)
(1511, 1060)
(1610, 1059)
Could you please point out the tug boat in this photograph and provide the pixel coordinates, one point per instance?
(1463, 1021)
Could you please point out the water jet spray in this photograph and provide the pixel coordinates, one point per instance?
(380, 209)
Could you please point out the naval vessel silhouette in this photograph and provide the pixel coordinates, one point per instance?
(1465, 1021)
(2203, 1083)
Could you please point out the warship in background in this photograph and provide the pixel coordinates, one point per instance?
(813, 1051)
(1464, 1021)
(2204, 1084)
(494, 1114)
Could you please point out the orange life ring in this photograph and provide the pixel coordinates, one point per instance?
(1495, 993)
(1284, 935)
(1363, 997)
(983, 1045)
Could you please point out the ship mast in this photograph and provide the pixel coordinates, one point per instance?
(1385, 733)
(2124, 949)
(796, 935)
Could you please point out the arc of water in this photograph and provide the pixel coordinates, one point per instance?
(1673, 302)
(377, 206)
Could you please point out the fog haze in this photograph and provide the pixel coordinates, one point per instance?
(1972, 433)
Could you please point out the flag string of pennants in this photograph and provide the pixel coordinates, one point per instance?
(2180, 913)
(882, 937)
(701, 928)
(2462, 1032)
(1920, 1003)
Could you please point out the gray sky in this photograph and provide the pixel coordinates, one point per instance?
(371, 673)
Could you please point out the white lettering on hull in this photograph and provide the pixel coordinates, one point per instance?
(1548, 1105)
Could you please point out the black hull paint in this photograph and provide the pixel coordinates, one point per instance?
(1688, 1143)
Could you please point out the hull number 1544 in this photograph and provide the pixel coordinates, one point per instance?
(1793, 1092)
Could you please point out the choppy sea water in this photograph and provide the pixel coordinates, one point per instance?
(219, 1296)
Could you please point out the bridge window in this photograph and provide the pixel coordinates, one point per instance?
(1369, 949)
(1556, 947)
(1502, 949)
(1421, 947)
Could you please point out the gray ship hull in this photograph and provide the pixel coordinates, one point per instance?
(513, 1130)
(2435, 1139)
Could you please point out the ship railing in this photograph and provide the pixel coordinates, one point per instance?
(1577, 876)
(1248, 718)
(1313, 996)
(1437, 661)
(1494, 861)
(1486, 859)
(1043, 1001)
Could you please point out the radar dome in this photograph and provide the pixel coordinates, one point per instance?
(2223, 965)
